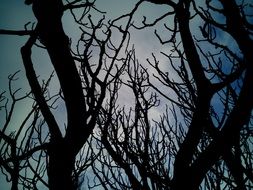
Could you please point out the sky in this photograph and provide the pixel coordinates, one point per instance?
(14, 14)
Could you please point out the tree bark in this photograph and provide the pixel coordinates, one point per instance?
(62, 151)
(61, 164)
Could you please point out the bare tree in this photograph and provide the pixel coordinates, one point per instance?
(83, 80)
(203, 136)
(212, 105)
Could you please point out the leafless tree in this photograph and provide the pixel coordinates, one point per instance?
(209, 143)
(83, 76)
(202, 138)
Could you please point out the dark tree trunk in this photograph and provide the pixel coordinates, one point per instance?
(61, 165)
(62, 151)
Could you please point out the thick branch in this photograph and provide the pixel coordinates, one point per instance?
(36, 89)
(204, 95)
(240, 115)
(16, 32)
(51, 33)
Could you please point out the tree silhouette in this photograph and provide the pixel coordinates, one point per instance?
(207, 145)
(82, 86)
(203, 135)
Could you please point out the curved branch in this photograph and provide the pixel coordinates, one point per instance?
(36, 89)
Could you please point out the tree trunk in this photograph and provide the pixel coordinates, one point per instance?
(61, 165)
(62, 152)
